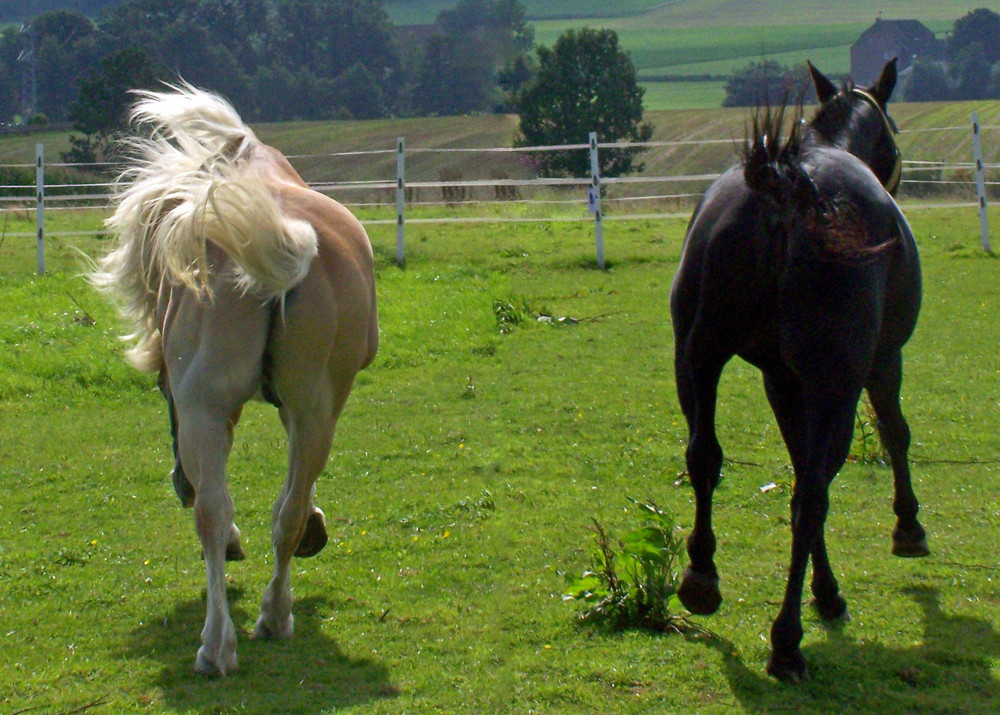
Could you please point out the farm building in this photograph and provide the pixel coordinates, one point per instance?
(906, 40)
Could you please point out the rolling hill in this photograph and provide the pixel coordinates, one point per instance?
(710, 38)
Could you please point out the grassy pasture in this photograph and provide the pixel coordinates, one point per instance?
(459, 493)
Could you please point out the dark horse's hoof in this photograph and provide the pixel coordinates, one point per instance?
(909, 544)
(234, 552)
(699, 592)
(788, 667)
(834, 609)
(314, 538)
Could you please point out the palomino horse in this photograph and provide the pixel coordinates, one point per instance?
(241, 282)
(799, 261)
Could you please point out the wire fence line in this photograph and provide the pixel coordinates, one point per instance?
(953, 183)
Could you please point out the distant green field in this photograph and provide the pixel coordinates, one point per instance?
(657, 50)
(682, 95)
(714, 37)
(711, 12)
(415, 12)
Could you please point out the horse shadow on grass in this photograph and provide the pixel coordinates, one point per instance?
(949, 670)
(303, 674)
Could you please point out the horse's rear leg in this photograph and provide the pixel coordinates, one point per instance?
(204, 442)
(697, 385)
(829, 428)
(884, 383)
(182, 485)
(785, 397)
(297, 527)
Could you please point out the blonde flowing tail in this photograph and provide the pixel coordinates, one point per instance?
(191, 185)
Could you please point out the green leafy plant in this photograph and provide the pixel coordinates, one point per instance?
(635, 586)
(509, 314)
(868, 444)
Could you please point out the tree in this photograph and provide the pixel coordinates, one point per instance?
(927, 82)
(971, 72)
(764, 82)
(585, 83)
(101, 111)
(980, 26)
(453, 78)
(463, 59)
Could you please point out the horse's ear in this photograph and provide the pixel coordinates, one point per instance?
(882, 89)
(825, 89)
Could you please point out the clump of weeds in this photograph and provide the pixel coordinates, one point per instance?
(633, 582)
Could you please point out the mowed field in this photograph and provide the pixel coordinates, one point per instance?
(694, 141)
(463, 480)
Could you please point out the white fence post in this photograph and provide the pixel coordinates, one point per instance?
(594, 199)
(977, 151)
(400, 196)
(40, 204)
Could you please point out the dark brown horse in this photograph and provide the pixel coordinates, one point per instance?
(799, 261)
(241, 282)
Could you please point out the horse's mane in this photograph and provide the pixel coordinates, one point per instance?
(770, 160)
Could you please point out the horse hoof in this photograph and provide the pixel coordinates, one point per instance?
(699, 592)
(789, 668)
(910, 549)
(834, 609)
(211, 668)
(234, 552)
(268, 631)
(314, 538)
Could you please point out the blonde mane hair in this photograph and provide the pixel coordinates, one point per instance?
(190, 184)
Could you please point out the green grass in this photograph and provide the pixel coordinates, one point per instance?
(683, 95)
(463, 479)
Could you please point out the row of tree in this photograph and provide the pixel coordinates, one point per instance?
(318, 59)
(275, 59)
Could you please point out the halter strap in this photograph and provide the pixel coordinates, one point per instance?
(892, 183)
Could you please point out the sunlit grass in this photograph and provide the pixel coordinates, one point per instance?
(465, 473)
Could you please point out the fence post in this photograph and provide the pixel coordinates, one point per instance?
(594, 199)
(977, 151)
(400, 196)
(40, 204)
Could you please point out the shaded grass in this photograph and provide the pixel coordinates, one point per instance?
(454, 517)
